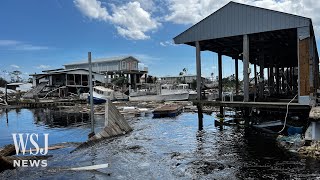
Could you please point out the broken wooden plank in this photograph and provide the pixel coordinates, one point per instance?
(88, 168)
(8, 150)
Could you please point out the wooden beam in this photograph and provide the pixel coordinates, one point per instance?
(304, 61)
(246, 67)
(198, 66)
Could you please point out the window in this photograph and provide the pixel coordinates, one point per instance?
(123, 65)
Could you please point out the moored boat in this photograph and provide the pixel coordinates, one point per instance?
(101, 95)
(167, 92)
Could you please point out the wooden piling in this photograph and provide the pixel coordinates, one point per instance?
(199, 81)
(220, 80)
(246, 67)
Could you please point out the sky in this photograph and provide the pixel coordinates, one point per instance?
(37, 35)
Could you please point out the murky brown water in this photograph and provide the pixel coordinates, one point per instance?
(173, 149)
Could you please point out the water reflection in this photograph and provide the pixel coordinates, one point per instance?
(59, 118)
(62, 125)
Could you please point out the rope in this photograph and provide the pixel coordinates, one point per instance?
(285, 119)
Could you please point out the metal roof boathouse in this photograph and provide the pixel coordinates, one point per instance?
(281, 44)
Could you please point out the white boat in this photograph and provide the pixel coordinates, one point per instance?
(167, 92)
(102, 94)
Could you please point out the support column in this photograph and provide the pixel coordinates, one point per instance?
(198, 66)
(291, 78)
(6, 93)
(283, 84)
(145, 78)
(246, 67)
(305, 65)
(271, 76)
(135, 81)
(288, 81)
(220, 80)
(237, 76)
(261, 80)
(255, 80)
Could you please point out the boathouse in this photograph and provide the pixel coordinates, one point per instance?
(280, 46)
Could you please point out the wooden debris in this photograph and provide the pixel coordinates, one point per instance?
(315, 113)
(115, 123)
(5, 164)
(8, 150)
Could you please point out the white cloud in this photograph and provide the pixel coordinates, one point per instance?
(43, 66)
(167, 43)
(92, 9)
(136, 19)
(130, 19)
(20, 46)
(15, 66)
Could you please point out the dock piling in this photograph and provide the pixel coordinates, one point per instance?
(220, 80)
(246, 67)
(199, 84)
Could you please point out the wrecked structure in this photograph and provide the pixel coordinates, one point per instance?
(74, 78)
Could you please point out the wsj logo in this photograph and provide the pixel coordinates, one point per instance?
(21, 146)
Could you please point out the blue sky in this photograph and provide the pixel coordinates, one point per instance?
(38, 35)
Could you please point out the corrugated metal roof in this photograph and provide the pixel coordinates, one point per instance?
(236, 19)
(110, 59)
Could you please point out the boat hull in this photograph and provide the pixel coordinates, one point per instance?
(165, 97)
(97, 100)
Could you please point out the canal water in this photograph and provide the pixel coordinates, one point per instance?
(166, 148)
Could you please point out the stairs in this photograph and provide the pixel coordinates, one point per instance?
(36, 90)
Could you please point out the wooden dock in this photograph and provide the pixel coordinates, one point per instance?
(261, 105)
